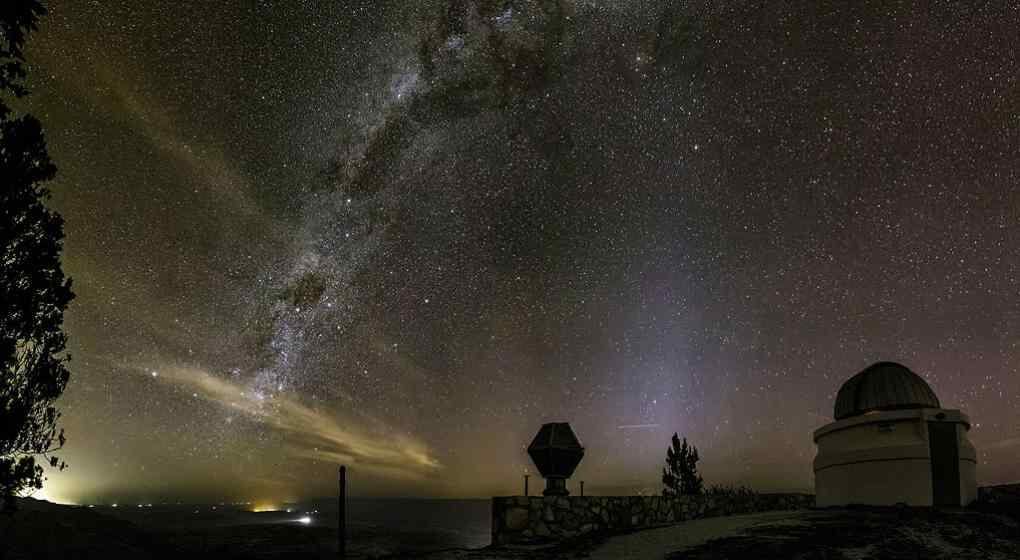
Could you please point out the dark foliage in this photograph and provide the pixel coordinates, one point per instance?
(680, 475)
(17, 20)
(33, 290)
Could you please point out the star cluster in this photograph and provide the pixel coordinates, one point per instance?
(403, 235)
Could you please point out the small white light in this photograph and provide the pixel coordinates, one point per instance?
(305, 520)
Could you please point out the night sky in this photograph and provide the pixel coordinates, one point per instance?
(401, 235)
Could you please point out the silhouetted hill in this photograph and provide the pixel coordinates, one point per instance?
(41, 530)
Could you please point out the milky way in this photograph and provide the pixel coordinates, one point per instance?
(403, 235)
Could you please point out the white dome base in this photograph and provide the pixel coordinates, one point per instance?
(886, 458)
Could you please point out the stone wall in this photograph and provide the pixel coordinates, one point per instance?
(526, 520)
(1001, 494)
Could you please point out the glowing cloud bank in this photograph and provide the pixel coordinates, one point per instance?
(312, 433)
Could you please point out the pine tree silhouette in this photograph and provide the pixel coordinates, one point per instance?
(680, 476)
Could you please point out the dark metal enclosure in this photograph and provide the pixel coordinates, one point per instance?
(945, 463)
(556, 452)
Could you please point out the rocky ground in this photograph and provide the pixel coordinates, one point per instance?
(884, 533)
(830, 534)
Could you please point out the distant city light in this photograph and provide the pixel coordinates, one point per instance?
(54, 493)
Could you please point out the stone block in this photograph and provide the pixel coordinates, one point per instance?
(542, 530)
(517, 519)
(548, 515)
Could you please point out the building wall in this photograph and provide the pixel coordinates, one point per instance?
(878, 432)
(968, 466)
(524, 520)
(884, 458)
(880, 483)
(968, 482)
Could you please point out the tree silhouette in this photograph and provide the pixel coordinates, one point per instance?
(33, 290)
(680, 476)
(17, 20)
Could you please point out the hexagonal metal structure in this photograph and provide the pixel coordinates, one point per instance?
(556, 452)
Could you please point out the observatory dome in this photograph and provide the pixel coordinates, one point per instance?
(883, 386)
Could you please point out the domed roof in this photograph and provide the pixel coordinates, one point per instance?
(883, 386)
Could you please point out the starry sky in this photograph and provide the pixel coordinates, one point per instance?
(402, 235)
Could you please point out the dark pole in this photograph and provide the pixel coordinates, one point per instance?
(341, 550)
(582, 488)
(525, 485)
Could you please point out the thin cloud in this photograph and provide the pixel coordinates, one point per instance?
(313, 434)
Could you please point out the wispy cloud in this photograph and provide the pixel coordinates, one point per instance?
(313, 433)
(208, 165)
(123, 91)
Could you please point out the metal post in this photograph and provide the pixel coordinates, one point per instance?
(526, 484)
(582, 488)
(341, 550)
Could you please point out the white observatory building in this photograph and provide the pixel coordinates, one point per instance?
(892, 443)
